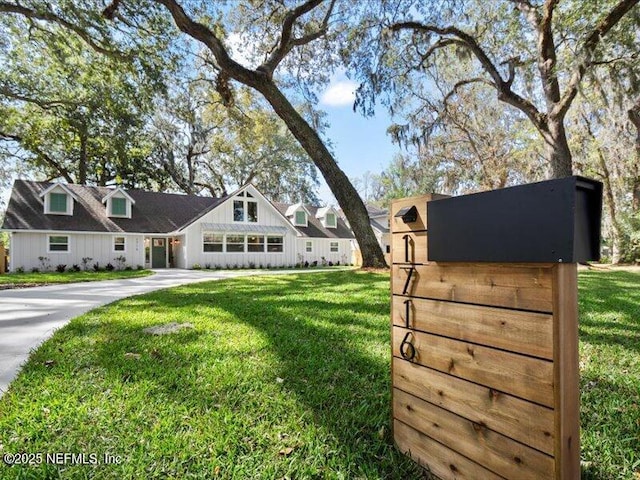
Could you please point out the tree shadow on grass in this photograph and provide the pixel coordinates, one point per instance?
(610, 309)
(327, 358)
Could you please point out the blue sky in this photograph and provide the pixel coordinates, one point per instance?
(360, 144)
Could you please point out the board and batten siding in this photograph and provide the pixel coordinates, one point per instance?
(26, 247)
(321, 248)
(223, 215)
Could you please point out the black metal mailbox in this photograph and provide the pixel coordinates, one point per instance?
(552, 221)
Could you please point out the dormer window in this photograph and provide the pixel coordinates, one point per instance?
(58, 200)
(301, 218)
(298, 214)
(328, 217)
(118, 203)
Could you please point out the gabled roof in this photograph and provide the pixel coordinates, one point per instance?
(118, 190)
(314, 229)
(152, 213)
(292, 209)
(322, 212)
(58, 185)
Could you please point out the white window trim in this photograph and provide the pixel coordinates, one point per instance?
(335, 220)
(68, 250)
(308, 243)
(337, 245)
(245, 209)
(47, 204)
(127, 207)
(266, 244)
(235, 235)
(224, 243)
(306, 219)
(114, 244)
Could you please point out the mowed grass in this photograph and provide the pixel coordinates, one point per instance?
(610, 374)
(281, 377)
(20, 280)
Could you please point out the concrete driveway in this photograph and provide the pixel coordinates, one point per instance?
(29, 316)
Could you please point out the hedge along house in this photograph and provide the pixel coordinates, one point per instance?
(59, 224)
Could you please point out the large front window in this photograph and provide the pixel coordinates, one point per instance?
(212, 242)
(255, 243)
(235, 243)
(58, 243)
(275, 244)
(58, 202)
(245, 211)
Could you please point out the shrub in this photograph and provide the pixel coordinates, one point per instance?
(315, 263)
(323, 261)
(61, 268)
(207, 266)
(128, 268)
(110, 267)
(45, 263)
(85, 262)
(140, 267)
(196, 266)
(120, 262)
(20, 270)
(306, 264)
(330, 263)
(35, 270)
(252, 265)
(75, 267)
(96, 266)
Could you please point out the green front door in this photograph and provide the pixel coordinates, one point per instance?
(158, 253)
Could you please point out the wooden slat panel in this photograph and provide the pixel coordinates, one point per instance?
(520, 287)
(522, 332)
(566, 371)
(476, 442)
(417, 243)
(526, 422)
(438, 459)
(526, 377)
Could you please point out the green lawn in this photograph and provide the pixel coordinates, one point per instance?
(20, 280)
(281, 377)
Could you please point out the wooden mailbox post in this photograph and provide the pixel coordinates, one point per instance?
(485, 353)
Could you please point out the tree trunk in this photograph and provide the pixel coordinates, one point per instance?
(557, 149)
(82, 161)
(634, 116)
(345, 193)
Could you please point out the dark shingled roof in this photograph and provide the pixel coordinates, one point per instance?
(152, 212)
(315, 228)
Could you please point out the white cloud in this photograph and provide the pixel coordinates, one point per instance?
(339, 93)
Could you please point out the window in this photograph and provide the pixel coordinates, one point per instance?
(238, 211)
(252, 211)
(334, 247)
(242, 206)
(58, 243)
(309, 246)
(119, 207)
(330, 220)
(301, 218)
(235, 243)
(119, 244)
(275, 244)
(255, 243)
(212, 242)
(58, 202)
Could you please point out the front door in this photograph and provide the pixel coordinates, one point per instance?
(158, 253)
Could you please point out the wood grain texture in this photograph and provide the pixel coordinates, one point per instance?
(492, 450)
(519, 287)
(525, 377)
(397, 225)
(529, 333)
(417, 251)
(515, 418)
(437, 458)
(566, 371)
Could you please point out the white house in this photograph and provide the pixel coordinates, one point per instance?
(54, 224)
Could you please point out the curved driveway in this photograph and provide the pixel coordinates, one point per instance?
(28, 316)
